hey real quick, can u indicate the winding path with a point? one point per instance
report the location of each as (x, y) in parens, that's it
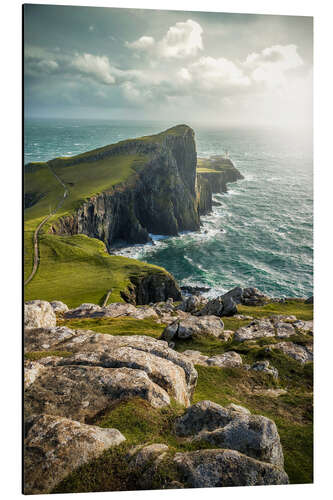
(39, 227)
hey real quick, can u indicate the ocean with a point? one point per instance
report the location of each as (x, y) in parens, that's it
(260, 235)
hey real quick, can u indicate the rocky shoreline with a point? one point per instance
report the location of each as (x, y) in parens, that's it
(73, 376)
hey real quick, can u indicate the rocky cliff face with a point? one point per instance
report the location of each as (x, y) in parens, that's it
(160, 199)
(165, 196)
(214, 181)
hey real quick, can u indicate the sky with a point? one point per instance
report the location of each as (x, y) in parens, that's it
(131, 64)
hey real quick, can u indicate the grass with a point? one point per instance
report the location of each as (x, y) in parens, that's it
(78, 269)
(83, 180)
(36, 355)
(292, 306)
(117, 326)
(214, 164)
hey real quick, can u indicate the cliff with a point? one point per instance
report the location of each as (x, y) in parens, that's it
(159, 196)
(213, 175)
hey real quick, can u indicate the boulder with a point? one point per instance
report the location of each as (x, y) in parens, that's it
(265, 367)
(194, 326)
(203, 415)
(191, 304)
(220, 306)
(253, 297)
(83, 392)
(300, 353)
(254, 435)
(230, 359)
(284, 330)
(219, 467)
(39, 314)
(59, 307)
(111, 367)
(196, 357)
(304, 327)
(258, 328)
(55, 446)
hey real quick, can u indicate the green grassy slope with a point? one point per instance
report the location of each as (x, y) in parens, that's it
(77, 269)
(83, 180)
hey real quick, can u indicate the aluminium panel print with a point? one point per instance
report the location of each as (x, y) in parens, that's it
(168, 253)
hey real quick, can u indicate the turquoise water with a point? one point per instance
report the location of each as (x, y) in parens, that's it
(260, 235)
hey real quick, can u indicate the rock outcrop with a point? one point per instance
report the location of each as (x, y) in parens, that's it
(213, 176)
(226, 304)
(275, 326)
(220, 467)
(101, 370)
(193, 326)
(303, 354)
(55, 446)
(39, 314)
(254, 435)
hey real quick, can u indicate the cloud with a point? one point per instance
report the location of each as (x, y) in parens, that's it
(209, 73)
(271, 64)
(181, 40)
(143, 43)
(97, 67)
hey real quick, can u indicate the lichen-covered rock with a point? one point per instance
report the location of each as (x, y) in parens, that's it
(196, 357)
(39, 314)
(229, 359)
(40, 339)
(82, 392)
(59, 307)
(146, 367)
(265, 367)
(258, 328)
(55, 446)
(300, 353)
(254, 435)
(114, 310)
(218, 468)
(32, 370)
(284, 330)
(193, 326)
(305, 327)
(203, 415)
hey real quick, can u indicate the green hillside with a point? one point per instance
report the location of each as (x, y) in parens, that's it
(77, 269)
